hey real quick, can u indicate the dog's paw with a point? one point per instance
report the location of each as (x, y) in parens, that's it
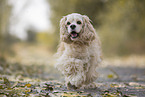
(70, 86)
(89, 86)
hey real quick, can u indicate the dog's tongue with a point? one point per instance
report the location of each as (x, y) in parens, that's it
(74, 34)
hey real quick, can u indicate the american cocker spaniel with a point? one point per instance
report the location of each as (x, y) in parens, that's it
(79, 51)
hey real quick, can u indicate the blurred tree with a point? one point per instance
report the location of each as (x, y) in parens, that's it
(31, 36)
(4, 17)
(123, 26)
(5, 37)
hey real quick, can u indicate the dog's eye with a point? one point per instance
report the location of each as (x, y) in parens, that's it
(79, 22)
(68, 23)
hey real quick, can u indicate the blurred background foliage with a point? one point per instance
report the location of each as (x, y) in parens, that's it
(119, 23)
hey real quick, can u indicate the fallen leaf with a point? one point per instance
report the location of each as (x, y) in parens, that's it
(28, 85)
(110, 76)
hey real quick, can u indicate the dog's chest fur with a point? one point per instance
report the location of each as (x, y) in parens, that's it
(77, 51)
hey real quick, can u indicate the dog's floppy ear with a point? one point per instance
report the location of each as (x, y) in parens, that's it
(88, 30)
(64, 35)
(63, 29)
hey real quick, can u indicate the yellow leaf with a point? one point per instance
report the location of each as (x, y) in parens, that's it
(28, 85)
(110, 76)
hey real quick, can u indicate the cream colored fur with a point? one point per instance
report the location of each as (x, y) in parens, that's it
(78, 58)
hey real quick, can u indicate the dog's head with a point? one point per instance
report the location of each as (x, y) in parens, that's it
(76, 28)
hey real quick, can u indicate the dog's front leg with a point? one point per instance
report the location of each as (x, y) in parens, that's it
(75, 75)
(73, 70)
(75, 81)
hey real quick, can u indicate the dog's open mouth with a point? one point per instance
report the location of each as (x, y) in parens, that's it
(74, 35)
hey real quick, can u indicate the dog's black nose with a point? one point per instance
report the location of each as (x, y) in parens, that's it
(73, 26)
